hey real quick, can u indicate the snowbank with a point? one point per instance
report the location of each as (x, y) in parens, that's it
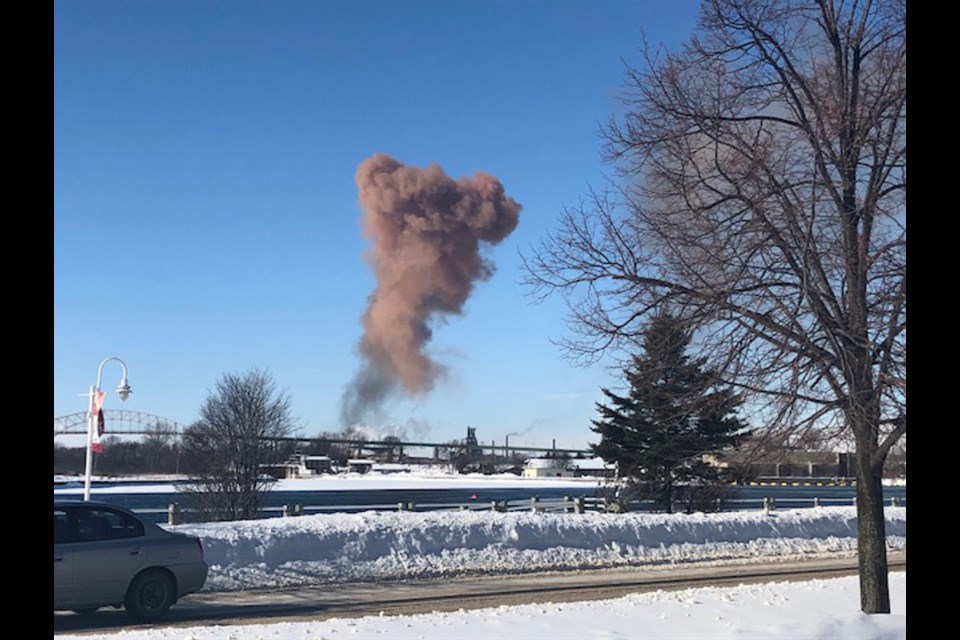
(283, 552)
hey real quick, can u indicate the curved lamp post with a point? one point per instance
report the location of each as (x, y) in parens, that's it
(124, 392)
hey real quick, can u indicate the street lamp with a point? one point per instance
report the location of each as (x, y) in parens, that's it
(124, 392)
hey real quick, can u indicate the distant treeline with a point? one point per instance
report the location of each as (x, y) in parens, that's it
(121, 457)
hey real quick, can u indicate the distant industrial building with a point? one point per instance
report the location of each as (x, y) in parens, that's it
(779, 465)
(568, 468)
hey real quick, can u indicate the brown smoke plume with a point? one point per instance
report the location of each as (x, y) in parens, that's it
(427, 231)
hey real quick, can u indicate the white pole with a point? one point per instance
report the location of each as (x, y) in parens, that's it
(123, 391)
(89, 464)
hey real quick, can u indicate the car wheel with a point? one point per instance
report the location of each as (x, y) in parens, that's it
(150, 595)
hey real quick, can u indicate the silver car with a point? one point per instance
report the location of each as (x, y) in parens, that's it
(104, 555)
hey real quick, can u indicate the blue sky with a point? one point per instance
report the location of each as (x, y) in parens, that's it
(205, 210)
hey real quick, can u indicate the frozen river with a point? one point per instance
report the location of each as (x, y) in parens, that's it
(387, 491)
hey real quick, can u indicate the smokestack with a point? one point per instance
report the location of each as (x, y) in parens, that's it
(427, 231)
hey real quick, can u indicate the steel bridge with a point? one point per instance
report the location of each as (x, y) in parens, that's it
(118, 422)
(123, 422)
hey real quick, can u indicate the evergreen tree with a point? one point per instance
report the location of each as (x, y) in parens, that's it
(674, 413)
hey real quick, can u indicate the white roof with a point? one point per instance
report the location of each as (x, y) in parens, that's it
(546, 463)
(592, 463)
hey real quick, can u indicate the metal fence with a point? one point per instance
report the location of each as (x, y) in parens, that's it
(176, 515)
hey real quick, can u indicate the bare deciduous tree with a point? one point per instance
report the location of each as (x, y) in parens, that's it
(762, 200)
(159, 448)
(225, 449)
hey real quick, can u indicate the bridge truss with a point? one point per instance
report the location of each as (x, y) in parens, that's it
(123, 422)
(117, 422)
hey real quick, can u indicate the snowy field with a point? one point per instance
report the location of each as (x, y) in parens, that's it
(383, 546)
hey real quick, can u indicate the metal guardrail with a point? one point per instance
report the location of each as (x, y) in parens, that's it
(535, 505)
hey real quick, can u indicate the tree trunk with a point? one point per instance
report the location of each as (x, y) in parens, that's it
(872, 537)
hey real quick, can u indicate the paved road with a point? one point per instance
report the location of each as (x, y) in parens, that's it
(395, 598)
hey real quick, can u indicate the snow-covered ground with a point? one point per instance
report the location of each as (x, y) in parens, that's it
(813, 610)
(384, 546)
(421, 480)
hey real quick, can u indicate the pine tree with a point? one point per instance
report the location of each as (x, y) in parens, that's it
(674, 413)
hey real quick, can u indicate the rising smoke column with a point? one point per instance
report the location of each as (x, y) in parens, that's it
(427, 231)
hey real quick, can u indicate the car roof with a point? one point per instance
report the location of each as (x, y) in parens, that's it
(61, 504)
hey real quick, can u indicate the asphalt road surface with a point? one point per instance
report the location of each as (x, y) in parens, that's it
(423, 596)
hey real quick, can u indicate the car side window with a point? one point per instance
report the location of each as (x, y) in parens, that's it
(102, 524)
(124, 526)
(61, 526)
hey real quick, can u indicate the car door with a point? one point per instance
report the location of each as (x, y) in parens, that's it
(107, 554)
(63, 592)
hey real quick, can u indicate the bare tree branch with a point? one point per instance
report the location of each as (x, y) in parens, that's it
(761, 200)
